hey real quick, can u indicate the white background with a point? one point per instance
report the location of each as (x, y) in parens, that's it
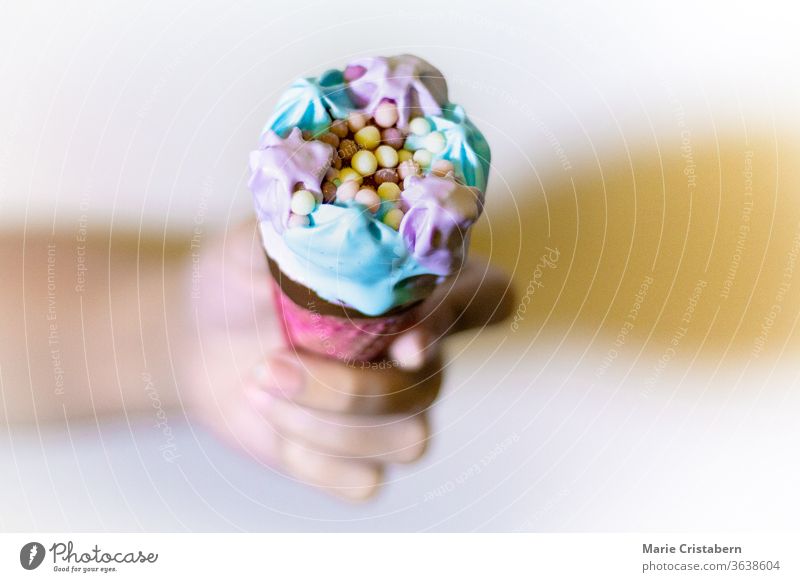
(137, 111)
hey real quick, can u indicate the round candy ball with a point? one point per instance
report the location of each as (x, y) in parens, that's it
(339, 128)
(368, 137)
(303, 202)
(404, 155)
(328, 191)
(389, 191)
(297, 220)
(386, 114)
(330, 138)
(350, 175)
(347, 191)
(364, 163)
(419, 126)
(442, 167)
(393, 218)
(393, 137)
(369, 198)
(408, 168)
(386, 156)
(356, 121)
(423, 158)
(435, 142)
(386, 175)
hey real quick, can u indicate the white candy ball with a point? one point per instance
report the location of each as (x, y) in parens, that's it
(369, 198)
(347, 191)
(423, 158)
(435, 142)
(386, 114)
(419, 126)
(303, 202)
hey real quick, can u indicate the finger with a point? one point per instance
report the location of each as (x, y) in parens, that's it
(351, 480)
(328, 385)
(384, 438)
(479, 295)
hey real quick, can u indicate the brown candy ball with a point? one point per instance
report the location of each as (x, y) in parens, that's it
(330, 138)
(339, 128)
(386, 175)
(393, 137)
(408, 168)
(347, 149)
(328, 192)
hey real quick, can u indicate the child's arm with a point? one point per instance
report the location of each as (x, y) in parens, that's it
(118, 324)
(88, 323)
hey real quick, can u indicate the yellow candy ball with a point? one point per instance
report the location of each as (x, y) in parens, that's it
(393, 218)
(386, 156)
(364, 163)
(389, 191)
(346, 174)
(368, 137)
(404, 155)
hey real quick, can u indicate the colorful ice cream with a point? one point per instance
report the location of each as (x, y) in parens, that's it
(367, 181)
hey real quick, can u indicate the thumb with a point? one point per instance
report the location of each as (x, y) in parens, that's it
(478, 295)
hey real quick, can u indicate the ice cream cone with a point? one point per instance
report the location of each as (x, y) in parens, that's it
(314, 325)
(366, 182)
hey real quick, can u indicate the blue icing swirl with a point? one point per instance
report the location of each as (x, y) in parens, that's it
(309, 104)
(347, 256)
(465, 145)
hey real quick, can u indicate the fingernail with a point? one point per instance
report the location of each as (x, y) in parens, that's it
(358, 482)
(280, 375)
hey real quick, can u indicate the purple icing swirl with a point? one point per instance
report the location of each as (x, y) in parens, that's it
(278, 166)
(416, 86)
(436, 225)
